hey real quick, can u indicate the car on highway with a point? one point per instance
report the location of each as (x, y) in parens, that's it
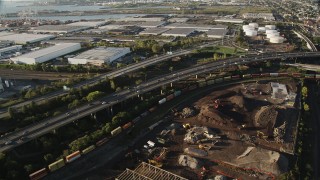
(8, 142)
(25, 132)
(68, 113)
(103, 102)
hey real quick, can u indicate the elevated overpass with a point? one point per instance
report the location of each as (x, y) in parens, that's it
(30, 132)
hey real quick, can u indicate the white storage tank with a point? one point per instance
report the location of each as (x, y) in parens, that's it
(268, 31)
(271, 27)
(254, 25)
(261, 29)
(251, 33)
(276, 39)
(273, 35)
(247, 27)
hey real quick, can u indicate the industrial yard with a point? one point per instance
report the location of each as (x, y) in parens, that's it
(239, 132)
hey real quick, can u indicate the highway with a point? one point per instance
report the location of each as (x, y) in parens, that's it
(307, 40)
(115, 73)
(30, 132)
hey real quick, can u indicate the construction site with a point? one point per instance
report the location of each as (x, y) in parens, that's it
(246, 131)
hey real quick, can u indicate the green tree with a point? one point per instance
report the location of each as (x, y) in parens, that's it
(139, 81)
(11, 112)
(94, 95)
(156, 48)
(107, 128)
(112, 84)
(306, 107)
(215, 56)
(304, 91)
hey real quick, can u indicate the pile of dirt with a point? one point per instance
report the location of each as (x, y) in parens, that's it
(238, 101)
(266, 160)
(188, 112)
(265, 117)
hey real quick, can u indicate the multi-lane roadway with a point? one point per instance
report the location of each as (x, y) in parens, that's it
(114, 73)
(30, 132)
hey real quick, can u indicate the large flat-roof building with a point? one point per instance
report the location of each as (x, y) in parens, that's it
(58, 29)
(225, 20)
(154, 31)
(141, 19)
(151, 24)
(25, 38)
(265, 16)
(216, 33)
(99, 56)
(179, 32)
(88, 23)
(10, 49)
(197, 27)
(47, 54)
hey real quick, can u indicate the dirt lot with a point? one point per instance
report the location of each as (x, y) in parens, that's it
(242, 119)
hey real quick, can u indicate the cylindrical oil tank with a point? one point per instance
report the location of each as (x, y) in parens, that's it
(251, 33)
(270, 31)
(271, 27)
(276, 39)
(261, 29)
(273, 35)
(254, 25)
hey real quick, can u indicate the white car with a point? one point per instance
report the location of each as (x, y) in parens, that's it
(103, 102)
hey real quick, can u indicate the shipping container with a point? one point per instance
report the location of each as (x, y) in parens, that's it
(154, 125)
(177, 93)
(116, 131)
(227, 78)
(192, 87)
(144, 114)
(73, 156)
(218, 80)
(255, 75)
(126, 126)
(38, 174)
(153, 109)
(170, 97)
(265, 75)
(162, 101)
(88, 149)
(56, 165)
(202, 84)
(102, 141)
(274, 74)
(309, 76)
(283, 74)
(235, 77)
(296, 74)
(135, 120)
(245, 76)
(210, 82)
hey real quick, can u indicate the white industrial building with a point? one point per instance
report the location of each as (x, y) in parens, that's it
(88, 23)
(236, 21)
(178, 20)
(179, 32)
(217, 33)
(47, 54)
(25, 38)
(10, 49)
(197, 27)
(58, 29)
(99, 56)
(141, 19)
(154, 31)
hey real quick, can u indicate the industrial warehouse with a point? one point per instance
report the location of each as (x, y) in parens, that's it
(99, 56)
(24, 38)
(47, 54)
(58, 29)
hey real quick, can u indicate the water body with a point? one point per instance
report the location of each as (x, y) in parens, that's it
(14, 7)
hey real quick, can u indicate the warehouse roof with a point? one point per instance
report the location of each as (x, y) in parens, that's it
(154, 31)
(100, 53)
(58, 28)
(151, 23)
(45, 51)
(178, 20)
(217, 32)
(229, 20)
(88, 23)
(178, 31)
(196, 26)
(25, 38)
(5, 33)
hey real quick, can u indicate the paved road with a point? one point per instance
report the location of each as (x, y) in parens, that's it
(114, 73)
(12, 140)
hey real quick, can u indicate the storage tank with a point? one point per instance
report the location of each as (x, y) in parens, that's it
(247, 27)
(261, 29)
(271, 27)
(276, 39)
(251, 33)
(273, 35)
(254, 25)
(269, 31)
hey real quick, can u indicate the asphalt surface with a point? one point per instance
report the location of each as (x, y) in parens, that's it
(13, 139)
(115, 73)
